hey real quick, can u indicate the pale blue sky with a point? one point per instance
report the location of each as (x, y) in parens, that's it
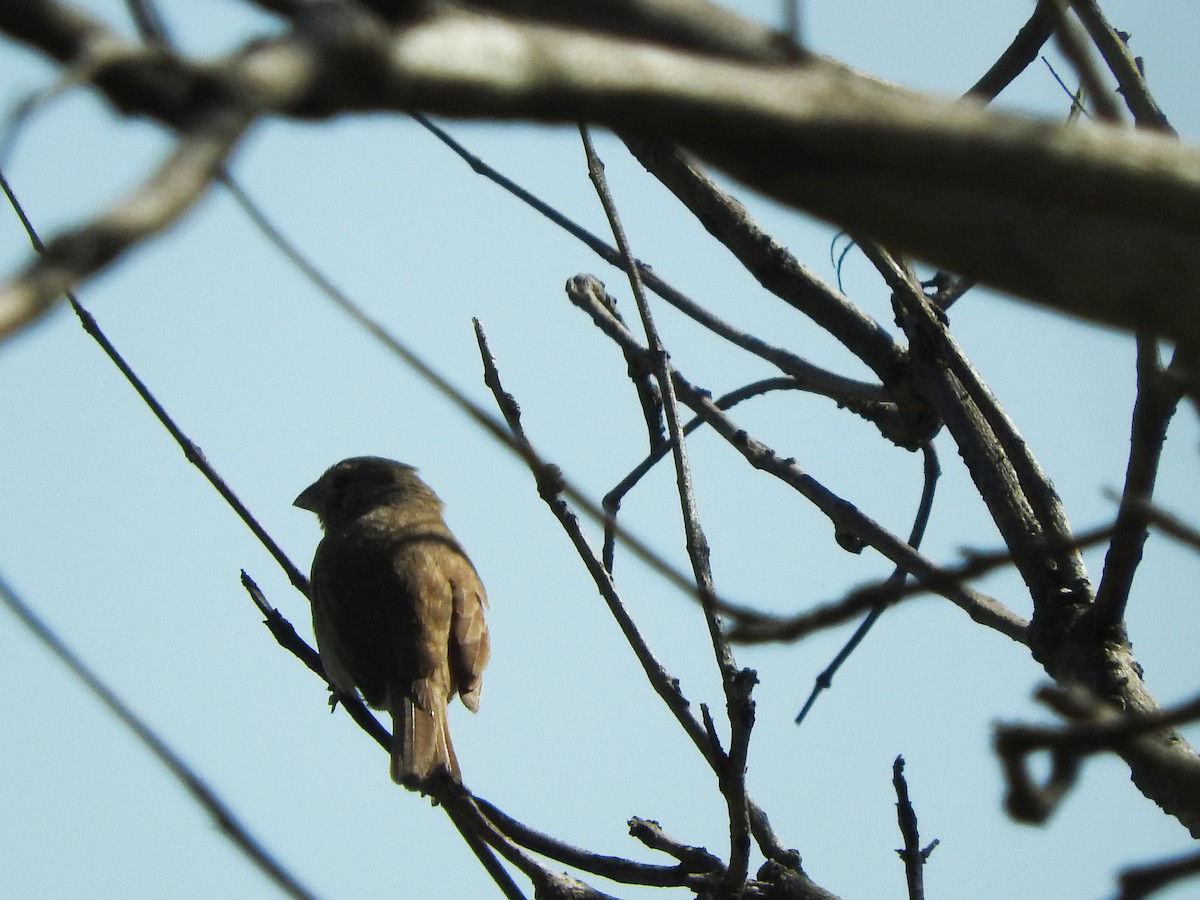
(125, 550)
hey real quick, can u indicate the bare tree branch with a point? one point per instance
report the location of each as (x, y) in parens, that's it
(667, 687)
(920, 522)
(204, 796)
(1071, 43)
(1017, 57)
(1158, 397)
(1132, 83)
(870, 401)
(736, 683)
(1097, 221)
(174, 189)
(696, 871)
(913, 856)
(1143, 881)
(584, 291)
(769, 262)
(1143, 739)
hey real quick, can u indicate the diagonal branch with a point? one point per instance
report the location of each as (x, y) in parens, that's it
(1125, 68)
(694, 873)
(932, 472)
(178, 184)
(1017, 57)
(197, 788)
(1021, 498)
(770, 263)
(1158, 396)
(737, 683)
(584, 291)
(862, 398)
(667, 687)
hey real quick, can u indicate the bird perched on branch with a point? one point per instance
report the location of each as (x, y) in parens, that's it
(398, 609)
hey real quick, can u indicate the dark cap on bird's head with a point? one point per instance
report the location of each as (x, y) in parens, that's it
(354, 485)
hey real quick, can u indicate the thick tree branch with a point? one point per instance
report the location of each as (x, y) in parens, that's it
(1145, 737)
(1098, 221)
(1024, 504)
(178, 184)
(769, 262)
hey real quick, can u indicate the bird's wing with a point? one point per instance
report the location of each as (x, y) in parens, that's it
(470, 646)
(350, 592)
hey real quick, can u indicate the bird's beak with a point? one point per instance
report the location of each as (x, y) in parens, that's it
(310, 498)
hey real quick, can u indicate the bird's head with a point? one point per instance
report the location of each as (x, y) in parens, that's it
(359, 484)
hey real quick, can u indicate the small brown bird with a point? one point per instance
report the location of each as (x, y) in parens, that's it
(398, 609)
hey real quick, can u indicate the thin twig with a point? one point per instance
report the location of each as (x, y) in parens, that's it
(920, 521)
(754, 626)
(647, 390)
(913, 856)
(1076, 97)
(666, 686)
(613, 499)
(287, 638)
(1017, 57)
(191, 451)
(737, 684)
(1071, 43)
(282, 630)
(199, 790)
(690, 873)
(1131, 80)
(702, 733)
(863, 398)
(845, 517)
(1158, 397)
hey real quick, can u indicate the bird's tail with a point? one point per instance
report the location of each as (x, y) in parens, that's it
(421, 746)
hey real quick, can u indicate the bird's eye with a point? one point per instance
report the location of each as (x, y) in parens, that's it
(340, 480)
